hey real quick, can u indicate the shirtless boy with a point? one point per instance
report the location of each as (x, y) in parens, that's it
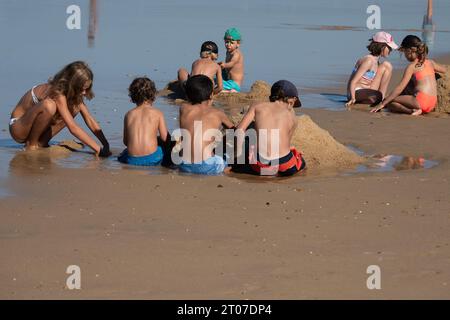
(233, 67)
(141, 126)
(196, 118)
(273, 154)
(206, 65)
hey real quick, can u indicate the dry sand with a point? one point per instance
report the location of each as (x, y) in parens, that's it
(443, 105)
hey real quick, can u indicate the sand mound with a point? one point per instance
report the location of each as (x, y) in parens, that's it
(443, 89)
(319, 148)
(259, 91)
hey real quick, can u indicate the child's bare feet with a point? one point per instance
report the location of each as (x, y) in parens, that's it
(418, 112)
(31, 147)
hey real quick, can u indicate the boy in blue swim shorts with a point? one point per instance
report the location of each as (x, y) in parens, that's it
(201, 124)
(233, 67)
(142, 125)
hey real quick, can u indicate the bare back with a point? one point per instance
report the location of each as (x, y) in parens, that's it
(197, 119)
(26, 102)
(206, 67)
(141, 127)
(270, 117)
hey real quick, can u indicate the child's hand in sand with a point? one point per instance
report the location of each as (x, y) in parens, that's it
(350, 102)
(378, 107)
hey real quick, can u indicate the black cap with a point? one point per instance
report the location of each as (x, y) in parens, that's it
(209, 46)
(287, 89)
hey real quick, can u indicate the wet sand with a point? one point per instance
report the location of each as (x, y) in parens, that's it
(184, 237)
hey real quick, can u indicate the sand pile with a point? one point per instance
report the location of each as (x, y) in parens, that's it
(319, 148)
(443, 89)
(259, 91)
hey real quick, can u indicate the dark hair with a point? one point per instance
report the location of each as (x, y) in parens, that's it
(198, 88)
(209, 46)
(70, 82)
(415, 44)
(375, 48)
(141, 90)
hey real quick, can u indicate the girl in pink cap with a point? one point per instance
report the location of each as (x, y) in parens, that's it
(369, 80)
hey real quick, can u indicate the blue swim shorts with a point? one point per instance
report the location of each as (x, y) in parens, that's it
(212, 166)
(152, 159)
(230, 85)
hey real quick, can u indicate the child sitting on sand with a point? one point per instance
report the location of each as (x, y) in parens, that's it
(205, 65)
(49, 107)
(275, 123)
(369, 80)
(233, 67)
(141, 126)
(422, 73)
(198, 117)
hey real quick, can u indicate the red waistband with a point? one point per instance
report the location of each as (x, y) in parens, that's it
(295, 160)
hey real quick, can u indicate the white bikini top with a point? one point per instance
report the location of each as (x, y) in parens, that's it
(33, 96)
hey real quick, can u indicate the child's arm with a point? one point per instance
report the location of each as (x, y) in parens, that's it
(230, 64)
(96, 129)
(438, 67)
(226, 122)
(409, 71)
(363, 67)
(61, 105)
(243, 125)
(163, 132)
(125, 131)
(219, 78)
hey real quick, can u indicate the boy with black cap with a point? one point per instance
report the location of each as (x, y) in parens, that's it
(275, 123)
(206, 65)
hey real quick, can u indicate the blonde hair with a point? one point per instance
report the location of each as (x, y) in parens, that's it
(70, 82)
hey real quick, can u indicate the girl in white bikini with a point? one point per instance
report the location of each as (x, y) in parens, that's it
(47, 108)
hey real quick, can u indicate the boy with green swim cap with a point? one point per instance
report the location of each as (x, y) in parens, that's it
(233, 67)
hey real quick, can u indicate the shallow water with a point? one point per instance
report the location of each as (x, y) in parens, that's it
(314, 44)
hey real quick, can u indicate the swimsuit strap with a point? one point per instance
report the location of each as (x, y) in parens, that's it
(427, 70)
(33, 96)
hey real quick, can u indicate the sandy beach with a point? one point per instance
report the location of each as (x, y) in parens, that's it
(183, 237)
(158, 234)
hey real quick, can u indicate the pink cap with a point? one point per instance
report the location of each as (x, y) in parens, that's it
(384, 37)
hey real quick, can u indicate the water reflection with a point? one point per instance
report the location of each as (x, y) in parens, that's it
(428, 27)
(389, 163)
(92, 22)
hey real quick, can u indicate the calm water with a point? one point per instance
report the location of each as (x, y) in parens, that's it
(281, 39)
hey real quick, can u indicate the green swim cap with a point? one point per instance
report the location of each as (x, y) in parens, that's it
(232, 33)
